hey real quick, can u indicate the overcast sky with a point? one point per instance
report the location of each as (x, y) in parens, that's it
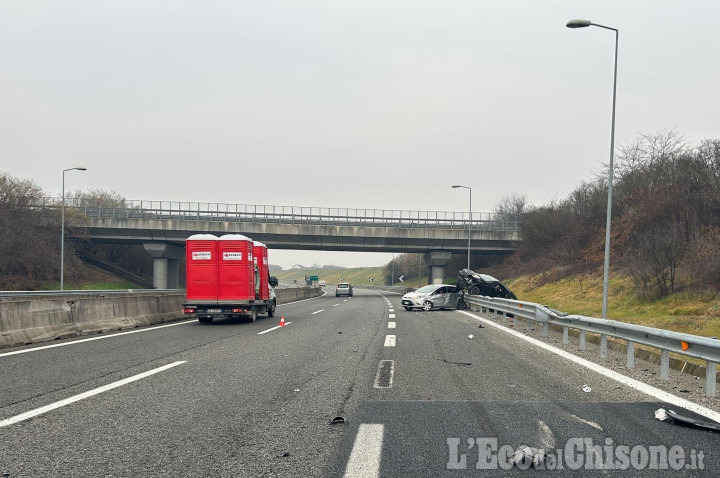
(370, 104)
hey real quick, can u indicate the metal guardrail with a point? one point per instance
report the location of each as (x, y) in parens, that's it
(294, 215)
(61, 293)
(703, 348)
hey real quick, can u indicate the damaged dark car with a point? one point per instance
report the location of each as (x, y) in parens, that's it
(483, 284)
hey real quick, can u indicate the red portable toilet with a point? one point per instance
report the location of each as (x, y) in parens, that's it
(201, 252)
(236, 272)
(260, 253)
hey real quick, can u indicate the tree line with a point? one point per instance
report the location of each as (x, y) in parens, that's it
(665, 221)
(30, 225)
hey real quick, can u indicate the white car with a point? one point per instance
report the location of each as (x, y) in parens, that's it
(322, 283)
(434, 296)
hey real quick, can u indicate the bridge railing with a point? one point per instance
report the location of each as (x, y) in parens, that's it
(703, 348)
(295, 215)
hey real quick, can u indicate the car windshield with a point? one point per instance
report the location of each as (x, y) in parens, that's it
(342, 286)
(488, 278)
(426, 289)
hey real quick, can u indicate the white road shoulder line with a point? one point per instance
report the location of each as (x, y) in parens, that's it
(108, 336)
(391, 325)
(389, 341)
(84, 395)
(335, 305)
(624, 379)
(273, 328)
(317, 311)
(364, 461)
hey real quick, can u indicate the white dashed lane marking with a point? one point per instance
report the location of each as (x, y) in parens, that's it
(389, 341)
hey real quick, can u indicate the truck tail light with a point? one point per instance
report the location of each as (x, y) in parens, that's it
(237, 311)
(189, 311)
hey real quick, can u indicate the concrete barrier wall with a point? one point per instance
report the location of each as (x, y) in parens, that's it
(30, 319)
(34, 319)
(299, 293)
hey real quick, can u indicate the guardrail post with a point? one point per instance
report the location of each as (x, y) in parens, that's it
(545, 331)
(528, 325)
(665, 365)
(630, 354)
(711, 379)
(566, 338)
(603, 346)
(582, 340)
(515, 322)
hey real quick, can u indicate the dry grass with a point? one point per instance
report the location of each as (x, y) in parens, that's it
(697, 314)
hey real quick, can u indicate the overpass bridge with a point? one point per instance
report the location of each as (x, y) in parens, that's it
(162, 227)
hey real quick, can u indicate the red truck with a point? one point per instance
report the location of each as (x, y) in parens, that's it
(227, 276)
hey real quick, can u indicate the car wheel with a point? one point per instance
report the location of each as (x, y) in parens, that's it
(407, 308)
(474, 290)
(427, 305)
(271, 310)
(461, 305)
(337, 295)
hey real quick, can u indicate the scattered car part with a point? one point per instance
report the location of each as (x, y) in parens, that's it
(668, 415)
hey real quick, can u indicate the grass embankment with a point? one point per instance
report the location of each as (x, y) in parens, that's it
(691, 313)
(355, 275)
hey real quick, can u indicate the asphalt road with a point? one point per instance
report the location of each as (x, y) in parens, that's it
(236, 398)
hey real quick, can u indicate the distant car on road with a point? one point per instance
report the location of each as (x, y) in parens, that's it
(321, 283)
(343, 288)
(434, 296)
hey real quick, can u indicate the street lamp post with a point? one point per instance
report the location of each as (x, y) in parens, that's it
(62, 227)
(470, 219)
(606, 268)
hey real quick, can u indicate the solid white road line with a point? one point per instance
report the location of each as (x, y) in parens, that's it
(624, 379)
(364, 461)
(273, 328)
(389, 341)
(391, 316)
(298, 301)
(391, 325)
(317, 311)
(84, 395)
(335, 305)
(109, 336)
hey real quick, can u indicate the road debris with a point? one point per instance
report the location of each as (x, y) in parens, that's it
(337, 421)
(668, 415)
(470, 336)
(526, 456)
(586, 388)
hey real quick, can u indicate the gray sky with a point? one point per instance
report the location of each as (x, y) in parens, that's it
(371, 104)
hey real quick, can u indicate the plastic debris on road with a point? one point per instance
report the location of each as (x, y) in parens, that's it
(470, 336)
(670, 416)
(586, 388)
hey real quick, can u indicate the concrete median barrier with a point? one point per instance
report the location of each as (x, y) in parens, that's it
(29, 318)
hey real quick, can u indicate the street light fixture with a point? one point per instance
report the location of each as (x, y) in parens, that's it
(62, 227)
(606, 268)
(455, 186)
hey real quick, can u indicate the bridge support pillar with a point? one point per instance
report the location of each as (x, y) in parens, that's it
(436, 261)
(165, 263)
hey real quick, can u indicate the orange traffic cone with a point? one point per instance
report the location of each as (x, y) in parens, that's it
(282, 321)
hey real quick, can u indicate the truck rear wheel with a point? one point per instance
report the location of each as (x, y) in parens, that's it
(253, 314)
(271, 309)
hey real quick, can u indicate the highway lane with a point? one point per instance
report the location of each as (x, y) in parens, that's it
(449, 387)
(240, 403)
